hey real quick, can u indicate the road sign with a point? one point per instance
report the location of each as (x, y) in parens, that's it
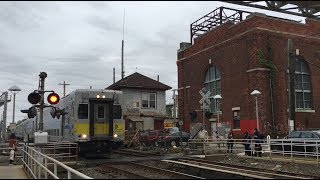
(205, 97)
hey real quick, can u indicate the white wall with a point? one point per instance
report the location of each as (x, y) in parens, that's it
(134, 95)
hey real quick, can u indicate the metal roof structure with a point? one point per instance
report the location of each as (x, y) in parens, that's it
(310, 9)
(221, 15)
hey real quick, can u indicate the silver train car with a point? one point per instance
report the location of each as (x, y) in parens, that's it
(93, 120)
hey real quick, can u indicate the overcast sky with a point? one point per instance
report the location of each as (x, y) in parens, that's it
(80, 43)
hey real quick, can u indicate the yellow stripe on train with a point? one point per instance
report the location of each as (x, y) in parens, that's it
(99, 128)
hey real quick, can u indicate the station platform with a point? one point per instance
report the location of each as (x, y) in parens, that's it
(12, 172)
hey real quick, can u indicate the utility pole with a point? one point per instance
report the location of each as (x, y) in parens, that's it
(174, 97)
(114, 75)
(174, 104)
(64, 87)
(4, 121)
(122, 48)
(291, 79)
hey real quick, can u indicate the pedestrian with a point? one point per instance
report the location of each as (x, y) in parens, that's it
(12, 148)
(246, 143)
(257, 139)
(230, 142)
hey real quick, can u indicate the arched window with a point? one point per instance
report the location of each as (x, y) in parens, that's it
(212, 82)
(302, 85)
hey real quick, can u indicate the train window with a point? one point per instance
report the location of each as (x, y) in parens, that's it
(83, 111)
(117, 112)
(100, 111)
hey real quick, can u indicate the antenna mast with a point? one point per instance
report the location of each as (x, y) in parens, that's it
(122, 47)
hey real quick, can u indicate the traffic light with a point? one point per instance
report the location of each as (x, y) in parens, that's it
(208, 114)
(32, 112)
(55, 112)
(193, 115)
(34, 98)
(53, 98)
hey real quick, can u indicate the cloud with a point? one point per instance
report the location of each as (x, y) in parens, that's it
(80, 42)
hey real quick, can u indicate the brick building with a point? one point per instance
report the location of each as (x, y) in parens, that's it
(227, 60)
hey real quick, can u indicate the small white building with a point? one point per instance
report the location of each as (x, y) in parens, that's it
(144, 102)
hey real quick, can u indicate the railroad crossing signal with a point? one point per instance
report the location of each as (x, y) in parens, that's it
(205, 97)
(32, 112)
(53, 98)
(56, 112)
(204, 106)
(34, 98)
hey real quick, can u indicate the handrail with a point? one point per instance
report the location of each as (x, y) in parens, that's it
(293, 147)
(34, 152)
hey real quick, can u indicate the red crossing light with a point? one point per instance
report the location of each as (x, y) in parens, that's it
(53, 98)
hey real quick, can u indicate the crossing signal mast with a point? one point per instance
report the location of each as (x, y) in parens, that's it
(36, 98)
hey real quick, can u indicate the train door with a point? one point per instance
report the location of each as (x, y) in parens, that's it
(100, 119)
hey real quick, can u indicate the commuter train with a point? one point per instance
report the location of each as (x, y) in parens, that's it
(93, 120)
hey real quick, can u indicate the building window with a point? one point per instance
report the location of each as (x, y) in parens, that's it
(149, 100)
(302, 85)
(212, 83)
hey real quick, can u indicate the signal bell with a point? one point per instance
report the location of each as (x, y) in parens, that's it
(53, 98)
(34, 98)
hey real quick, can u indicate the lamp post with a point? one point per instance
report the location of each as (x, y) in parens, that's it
(217, 97)
(256, 93)
(14, 89)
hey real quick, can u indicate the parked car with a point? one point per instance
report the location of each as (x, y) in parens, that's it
(174, 139)
(151, 137)
(304, 138)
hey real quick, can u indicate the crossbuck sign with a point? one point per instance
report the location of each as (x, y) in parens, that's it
(204, 99)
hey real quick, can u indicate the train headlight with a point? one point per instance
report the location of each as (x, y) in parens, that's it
(84, 136)
(98, 96)
(115, 135)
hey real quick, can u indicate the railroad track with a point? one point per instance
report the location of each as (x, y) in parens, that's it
(140, 171)
(136, 153)
(237, 170)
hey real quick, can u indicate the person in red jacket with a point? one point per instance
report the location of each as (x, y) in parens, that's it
(12, 148)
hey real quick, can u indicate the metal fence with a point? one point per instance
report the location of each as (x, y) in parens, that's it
(66, 151)
(39, 165)
(293, 149)
(4, 149)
